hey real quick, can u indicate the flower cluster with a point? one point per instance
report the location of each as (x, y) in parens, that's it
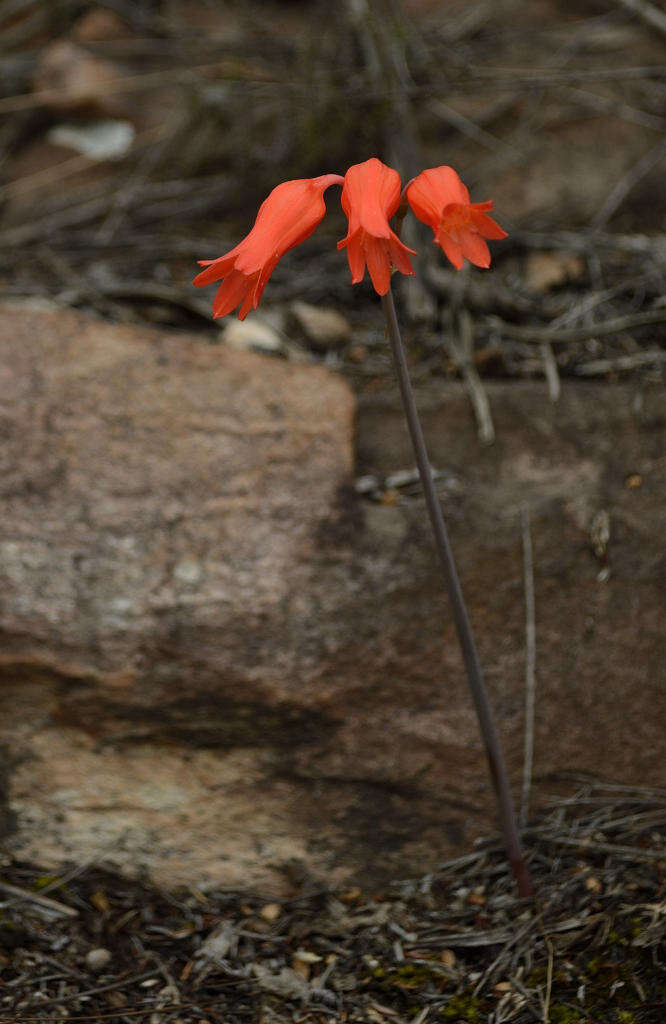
(371, 195)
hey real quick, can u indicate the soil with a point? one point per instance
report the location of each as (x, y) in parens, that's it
(455, 945)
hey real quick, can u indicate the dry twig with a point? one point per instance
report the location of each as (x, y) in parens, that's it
(647, 12)
(530, 665)
(460, 345)
(575, 334)
(45, 903)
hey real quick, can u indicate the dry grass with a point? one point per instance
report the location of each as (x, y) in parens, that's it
(555, 110)
(456, 945)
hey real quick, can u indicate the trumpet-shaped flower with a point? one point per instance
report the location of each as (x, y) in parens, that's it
(286, 218)
(439, 198)
(370, 195)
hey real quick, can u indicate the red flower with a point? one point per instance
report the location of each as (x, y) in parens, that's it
(371, 194)
(286, 218)
(439, 198)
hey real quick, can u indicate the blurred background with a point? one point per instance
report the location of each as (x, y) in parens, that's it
(138, 137)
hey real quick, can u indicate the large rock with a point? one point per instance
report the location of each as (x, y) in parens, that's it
(161, 501)
(219, 661)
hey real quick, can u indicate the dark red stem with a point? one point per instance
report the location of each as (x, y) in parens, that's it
(472, 665)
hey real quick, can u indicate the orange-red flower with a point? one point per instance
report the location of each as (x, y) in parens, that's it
(370, 195)
(439, 198)
(286, 218)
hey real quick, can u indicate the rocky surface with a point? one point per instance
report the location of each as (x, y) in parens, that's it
(220, 662)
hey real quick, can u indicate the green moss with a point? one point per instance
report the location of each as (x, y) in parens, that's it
(413, 977)
(562, 1014)
(406, 975)
(537, 976)
(463, 1007)
(611, 967)
(44, 881)
(594, 966)
(618, 962)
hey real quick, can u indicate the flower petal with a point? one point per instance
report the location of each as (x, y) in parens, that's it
(288, 215)
(355, 254)
(474, 248)
(452, 250)
(371, 194)
(400, 254)
(379, 264)
(231, 292)
(440, 199)
(434, 189)
(215, 269)
(486, 226)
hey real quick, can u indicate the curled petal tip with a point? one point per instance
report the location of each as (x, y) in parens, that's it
(440, 199)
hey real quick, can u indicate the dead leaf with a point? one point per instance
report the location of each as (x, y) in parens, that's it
(546, 270)
(100, 902)
(270, 912)
(288, 983)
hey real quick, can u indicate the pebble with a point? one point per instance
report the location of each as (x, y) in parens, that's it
(253, 334)
(270, 912)
(99, 26)
(98, 959)
(97, 140)
(324, 328)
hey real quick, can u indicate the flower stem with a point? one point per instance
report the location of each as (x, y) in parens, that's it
(479, 696)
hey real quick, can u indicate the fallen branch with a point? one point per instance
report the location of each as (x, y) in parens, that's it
(551, 372)
(575, 334)
(651, 15)
(599, 367)
(653, 246)
(627, 183)
(53, 907)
